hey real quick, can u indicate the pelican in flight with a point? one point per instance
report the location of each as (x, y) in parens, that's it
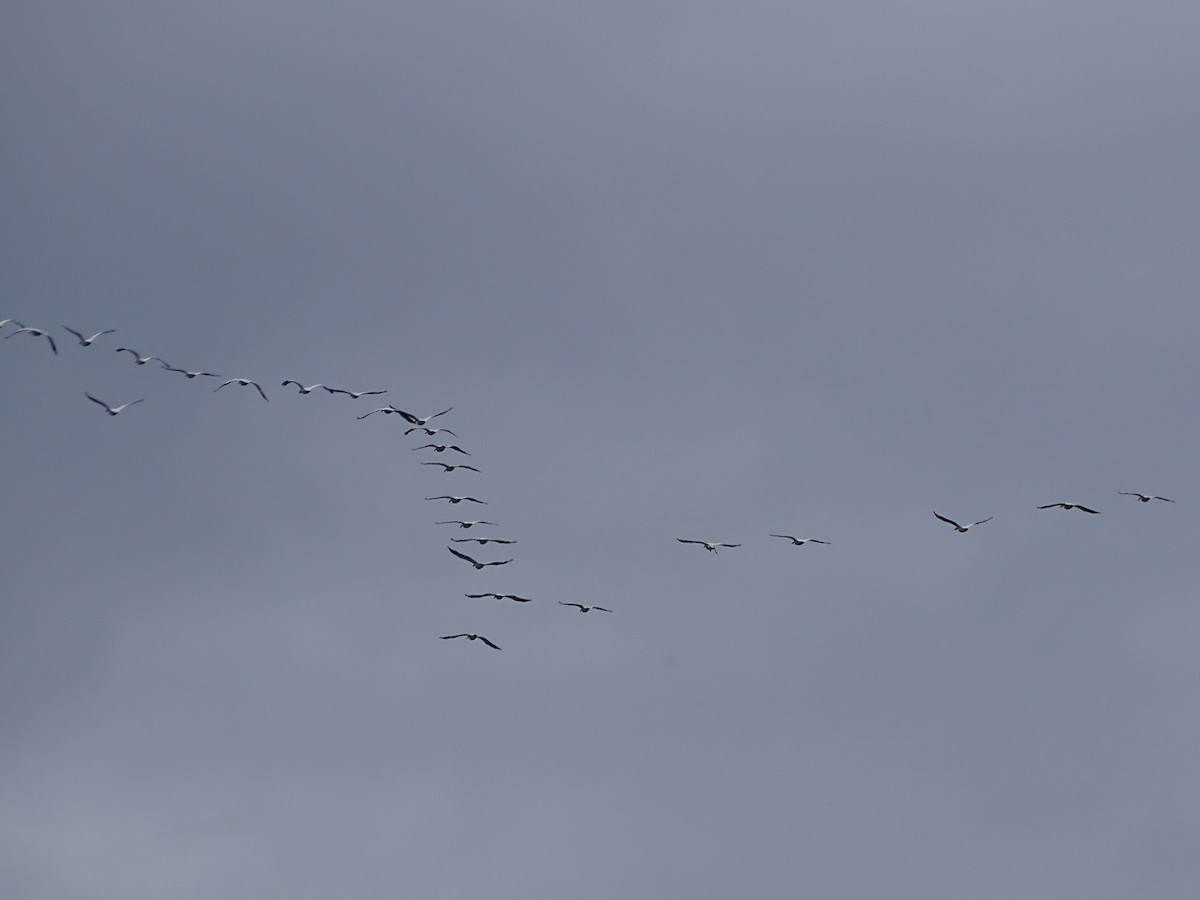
(446, 467)
(35, 332)
(962, 529)
(479, 541)
(799, 541)
(476, 563)
(513, 597)
(429, 432)
(303, 389)
(87, 341)
(583, 608)
(138, 358)
(1145, 498)
(112, 410)
(244, 382)
(1078, 506)
(456, 499)
(466, 524)
(386, 410)
(354, 395)
(711, 546)
(470, 637)
(442, 448)
(421, 421)
(190, 375)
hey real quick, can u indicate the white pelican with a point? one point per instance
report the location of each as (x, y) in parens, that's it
(500, 597)
(476, 563)
(244, 382)
(112, 410)
(711, 546)
(466, 524)
(799, 541)
(190, 375)
(480, 541)
(35, 332)
(138, 358)
(354, 395)
(429, 432)
(446, 467)
(1078, 506)
(386, 410)
(303, 389)
(962, 529)
(1145, 498)
(87, 341)
(457, 499)
(470, 637)
(583, 608)
(421, 421)
(441, 448)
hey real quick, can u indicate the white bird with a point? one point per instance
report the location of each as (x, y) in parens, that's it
(138, 358)
(476, 563)
(447, 467)
(1078, 506)
(303, 389)
(386, 410)
(799, 541)
(441, 448)
(500, 597)
(1145, 498)
(189, 375)
(480, 541)
(353, 394)
(456, 499)
(466, 524)
(421, 421)
(711, 546)
(35, 332)
(583, 608)
(470, 637)
(87, 341)
(430, 432)
(112, 410)
(244, 382)
(962, 529)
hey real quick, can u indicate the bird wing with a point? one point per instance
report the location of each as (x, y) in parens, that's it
(503, 562)
(788, 536)
(442, 413)
(260, 390)
(602, 609)
(516, 598)
(77, 334)
(948, 521)
(94, 400)
(686, 541)
(1168, 499)
(561, 603)
(337, 391)
(473, 500)
(489, 643)
(981, 521)
(1088, 509)
(729, 545)
(1052, 505)
(463, 556)
(447, 637)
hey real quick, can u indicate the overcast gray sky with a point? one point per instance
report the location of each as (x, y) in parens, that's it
(699, 270)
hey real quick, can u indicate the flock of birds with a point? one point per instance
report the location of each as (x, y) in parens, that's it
(422, 425)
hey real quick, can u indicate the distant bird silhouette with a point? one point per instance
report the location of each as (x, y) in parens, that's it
(386, 410)
(353, 394)
(1145, 498)
(429, 432)
(513, 597)
(244, 382)
(583, 608)
(190, 375)
(446, 467)
(711, 546)
(798, 541)
(87, 341)
(421, 421)
(466, 524)
(33, 332)
(470, 637)
(441, 448)
(1078, 506)
(303, 389)
(112, 410)
(476, 563)
(962, 529)
(457, 499)
(138, 358)
(480, 541)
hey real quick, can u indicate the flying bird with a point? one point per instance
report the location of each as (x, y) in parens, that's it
(962, 529)
(354, 395)
(466, 524)
(189, 375)
(112, 410)
(711, 546)
(476, 563)
(456, 499)
(470, 637)
(87, 341)
(386, 410)
(799, 541)
(441, 448)
(244, 382)
(480, 541)
(429, 432)
(1145, 498)
(1078, 506)
(500, 597)
(446, 467)
(303, 389)
(421, 421)
(138, 358)
(583, 608)
(34, 332)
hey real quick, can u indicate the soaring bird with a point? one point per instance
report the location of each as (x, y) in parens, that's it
(456, 499)
(1078, 506)
(441, 448)
(244, 382)
(711, 546)
(476, 563)
(480, 541)
(421, 421)
(112, 410)
(190, 374)
(583, 608)
(138, 358)
(446, 467)
(87, 341)
(386, 410)
(34, 332)
(500, 597)
(1145, 498)
(470, 637)
(799, 541)
(466, 524)
(303, 389)
(429, 432)
(354, 395)
(962, 529)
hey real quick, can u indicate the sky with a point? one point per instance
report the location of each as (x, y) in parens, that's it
(680, 270)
